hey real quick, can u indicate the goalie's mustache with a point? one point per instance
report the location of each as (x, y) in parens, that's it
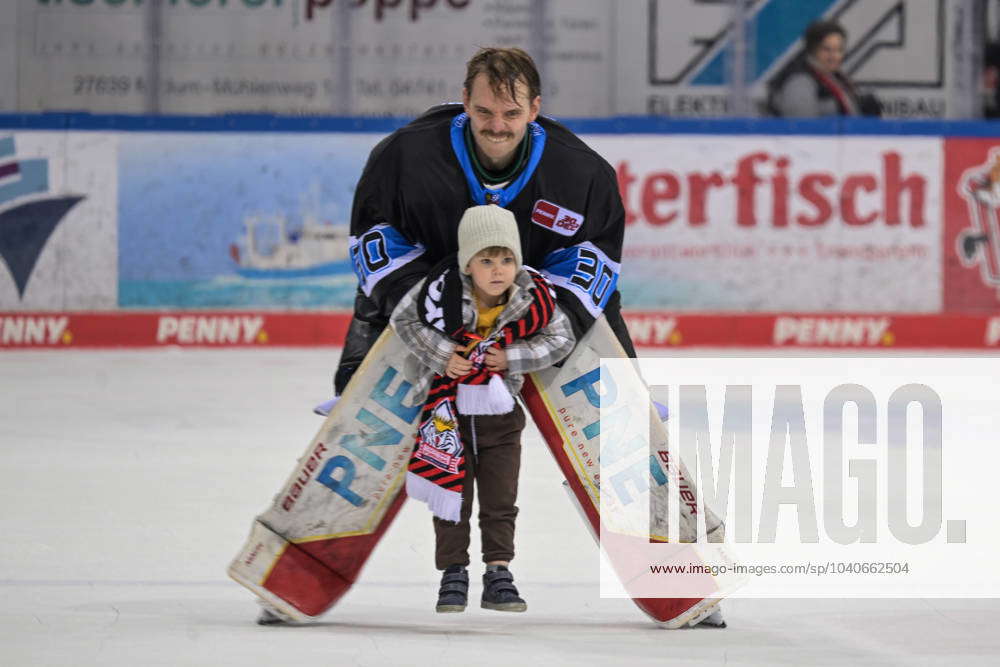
(501, 135)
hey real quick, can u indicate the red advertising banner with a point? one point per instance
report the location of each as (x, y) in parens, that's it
(649, 329)
(203, 329)
(972, 225)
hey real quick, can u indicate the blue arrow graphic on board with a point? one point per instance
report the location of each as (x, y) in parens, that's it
(774, 29)
(26, 228)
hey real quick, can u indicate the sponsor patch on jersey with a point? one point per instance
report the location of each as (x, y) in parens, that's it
(556, 218)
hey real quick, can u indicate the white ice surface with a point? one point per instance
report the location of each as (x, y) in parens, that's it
(128, 480)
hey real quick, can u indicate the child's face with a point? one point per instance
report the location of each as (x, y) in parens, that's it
(492, 275)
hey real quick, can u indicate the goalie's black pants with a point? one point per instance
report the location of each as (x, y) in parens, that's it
(493, 462)
(367, 325)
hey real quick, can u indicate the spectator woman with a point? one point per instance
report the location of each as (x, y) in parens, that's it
(816, 86)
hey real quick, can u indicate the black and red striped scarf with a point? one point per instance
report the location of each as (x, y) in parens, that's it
(840, 88)
(436, 472)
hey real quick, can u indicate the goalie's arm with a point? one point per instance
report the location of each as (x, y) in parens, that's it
(388, 256)
(585, 274)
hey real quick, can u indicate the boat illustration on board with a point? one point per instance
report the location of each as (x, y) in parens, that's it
(270, 249)
(29, 212)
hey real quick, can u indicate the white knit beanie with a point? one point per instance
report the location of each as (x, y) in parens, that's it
(482, 227)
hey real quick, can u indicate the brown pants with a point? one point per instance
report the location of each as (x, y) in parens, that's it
(493, 461)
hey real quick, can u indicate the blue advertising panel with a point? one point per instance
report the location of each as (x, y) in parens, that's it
(237, 220)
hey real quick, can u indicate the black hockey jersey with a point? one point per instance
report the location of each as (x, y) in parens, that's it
(419, 180)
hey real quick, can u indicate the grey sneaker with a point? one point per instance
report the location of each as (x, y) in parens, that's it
(499, 591)
(453, 595)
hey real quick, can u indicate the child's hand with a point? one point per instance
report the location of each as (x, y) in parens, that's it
(496, 359)
(457, 365)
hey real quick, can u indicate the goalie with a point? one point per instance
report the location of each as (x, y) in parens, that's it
(494, 148)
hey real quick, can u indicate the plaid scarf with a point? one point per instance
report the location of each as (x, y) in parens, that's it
(437, 466)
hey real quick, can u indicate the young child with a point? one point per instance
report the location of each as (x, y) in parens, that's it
(475, 327)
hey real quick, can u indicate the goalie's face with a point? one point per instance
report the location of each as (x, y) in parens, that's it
(492, 275)
(498, 122)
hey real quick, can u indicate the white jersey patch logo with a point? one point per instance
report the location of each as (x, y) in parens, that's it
(556, 218)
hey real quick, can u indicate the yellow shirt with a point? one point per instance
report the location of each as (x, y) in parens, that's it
(487, 318)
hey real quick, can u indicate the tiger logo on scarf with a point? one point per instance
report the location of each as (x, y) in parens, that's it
(439, 441)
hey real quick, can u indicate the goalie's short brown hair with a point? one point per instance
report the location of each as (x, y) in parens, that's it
(503, 69)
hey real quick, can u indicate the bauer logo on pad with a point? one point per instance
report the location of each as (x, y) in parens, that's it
(556, 218)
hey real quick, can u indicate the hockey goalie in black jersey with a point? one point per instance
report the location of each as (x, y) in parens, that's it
(494, 148)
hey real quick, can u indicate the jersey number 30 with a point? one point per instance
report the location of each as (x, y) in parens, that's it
(592, 276)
